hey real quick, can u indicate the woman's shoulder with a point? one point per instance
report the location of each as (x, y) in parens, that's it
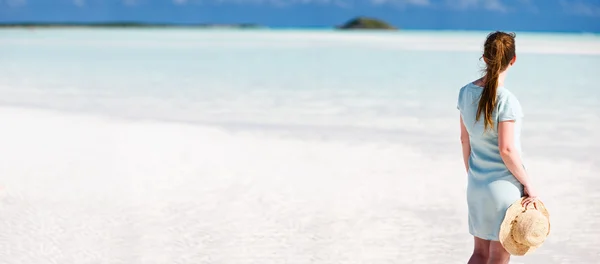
(468, 86)
(462, 90)
(505, 94)
(508, 105)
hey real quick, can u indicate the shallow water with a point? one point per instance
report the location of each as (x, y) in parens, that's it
(182, 146)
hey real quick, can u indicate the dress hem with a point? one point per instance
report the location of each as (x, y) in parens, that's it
(488, 237)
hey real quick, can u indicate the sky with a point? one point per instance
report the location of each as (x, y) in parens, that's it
(516, 15)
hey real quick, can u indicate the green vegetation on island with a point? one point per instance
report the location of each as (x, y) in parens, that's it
(356, 23)
(367, 23)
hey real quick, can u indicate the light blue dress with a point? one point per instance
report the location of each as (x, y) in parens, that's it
(491, 188)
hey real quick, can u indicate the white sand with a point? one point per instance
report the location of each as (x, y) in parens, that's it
(81, 189)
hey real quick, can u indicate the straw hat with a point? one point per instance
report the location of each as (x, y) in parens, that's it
(524, 229)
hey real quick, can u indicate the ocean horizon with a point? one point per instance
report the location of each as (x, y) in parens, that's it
(276, 146)
(98, 25)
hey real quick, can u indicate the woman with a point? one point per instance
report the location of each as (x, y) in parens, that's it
(490, 121)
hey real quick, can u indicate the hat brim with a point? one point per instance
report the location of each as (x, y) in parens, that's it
(506, 238)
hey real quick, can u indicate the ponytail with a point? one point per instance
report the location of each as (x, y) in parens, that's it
(498, 54)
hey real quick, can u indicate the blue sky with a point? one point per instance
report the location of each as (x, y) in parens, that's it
(518, 15)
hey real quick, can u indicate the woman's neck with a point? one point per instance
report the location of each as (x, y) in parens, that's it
(501, 79)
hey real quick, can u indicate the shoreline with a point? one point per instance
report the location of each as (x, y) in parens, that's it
(250, 26)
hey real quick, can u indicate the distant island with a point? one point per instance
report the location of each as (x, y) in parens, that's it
(124, 25)
(356, 23)
(366, 23)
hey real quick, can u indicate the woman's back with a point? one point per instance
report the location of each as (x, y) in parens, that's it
(490, 130)
(485, 161)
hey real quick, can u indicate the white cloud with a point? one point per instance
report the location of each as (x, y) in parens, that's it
(131, 2)
(15, 3)
(343, 3)
(462, 4)
(529, 6)
(82, 3)
(580, 8)
(494, 5)
(402, 2)
(339, 3)
(271, 2)
(79, 2)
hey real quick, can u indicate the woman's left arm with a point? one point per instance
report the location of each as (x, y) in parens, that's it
(466, 144)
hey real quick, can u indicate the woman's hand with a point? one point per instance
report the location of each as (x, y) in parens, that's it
(531, 197)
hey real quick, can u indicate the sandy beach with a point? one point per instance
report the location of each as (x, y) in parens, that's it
(90, 189)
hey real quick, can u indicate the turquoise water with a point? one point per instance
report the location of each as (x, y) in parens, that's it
(276, 146)
(386, 83)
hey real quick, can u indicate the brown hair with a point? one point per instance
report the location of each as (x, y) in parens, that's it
(498, 51)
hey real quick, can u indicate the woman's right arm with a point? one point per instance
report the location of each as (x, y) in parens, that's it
(511, 157)
(465, 143)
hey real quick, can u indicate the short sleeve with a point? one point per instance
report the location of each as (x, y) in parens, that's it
(459, 99)
(509, 108)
